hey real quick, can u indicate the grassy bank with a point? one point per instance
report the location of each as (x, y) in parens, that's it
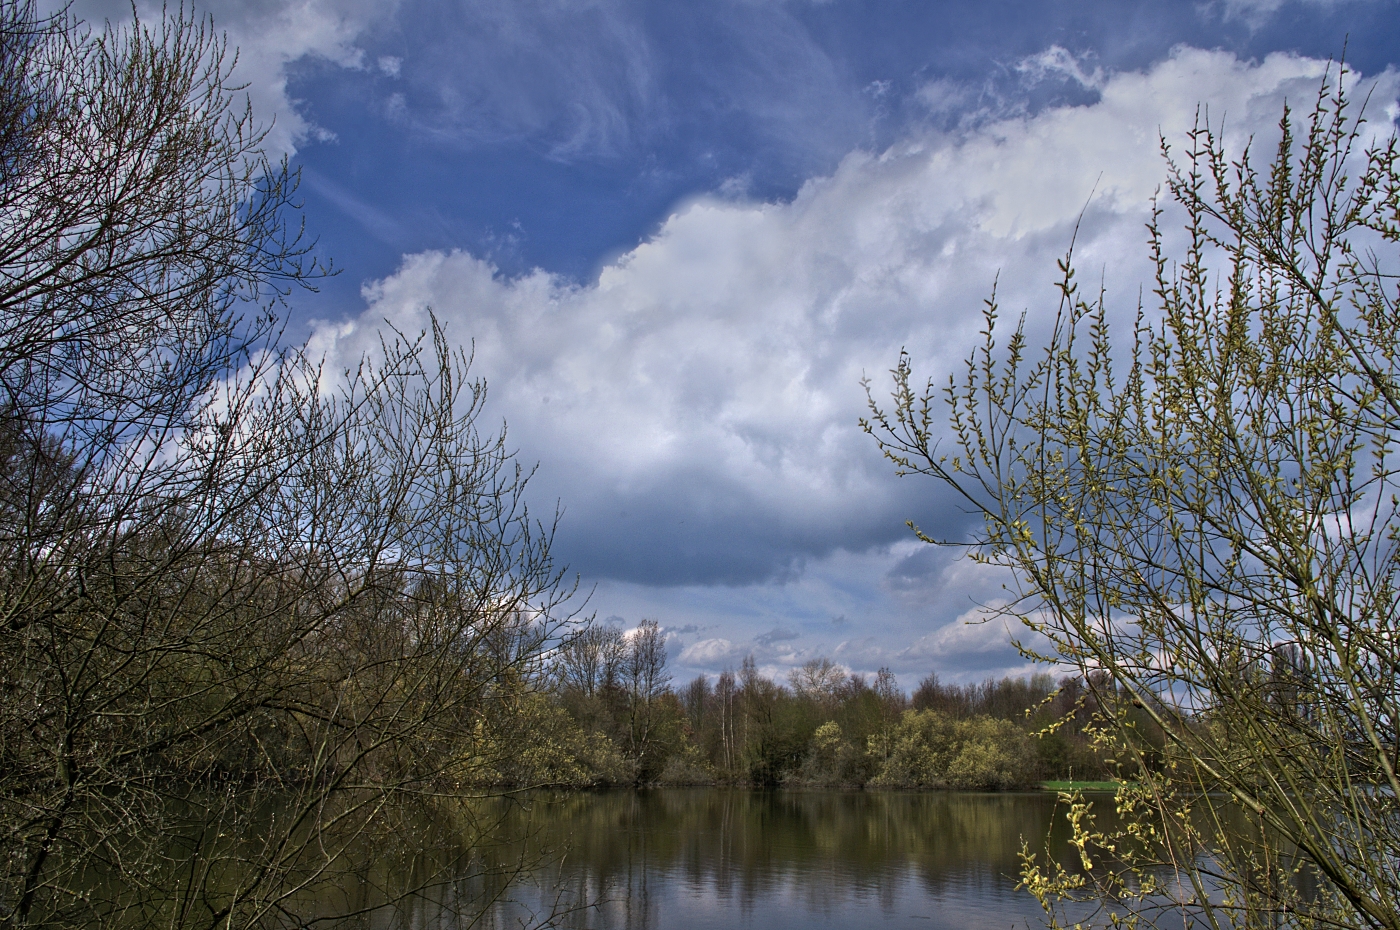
(1079, 785)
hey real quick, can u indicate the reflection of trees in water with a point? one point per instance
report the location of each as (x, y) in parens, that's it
(819, 850)
(622, 860)
(426, 865)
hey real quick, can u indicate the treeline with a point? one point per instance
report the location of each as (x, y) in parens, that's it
(614, 717)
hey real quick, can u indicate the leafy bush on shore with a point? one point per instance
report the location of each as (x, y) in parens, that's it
(933, 750)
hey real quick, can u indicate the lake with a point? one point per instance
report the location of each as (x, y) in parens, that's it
(769, 860)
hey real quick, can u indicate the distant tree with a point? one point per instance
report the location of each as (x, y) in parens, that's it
(1007, 698)
(698, 700)
(819, 680)
(932, 694)
(1206, 526)
(726, 698)
(893, 703)
(929, 749)
(646, 681)
(590, 659)
(887, 690)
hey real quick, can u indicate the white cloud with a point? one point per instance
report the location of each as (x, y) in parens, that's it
(272, 34)
(713, 653)
(732, 341)
(977, 631)
(695, 408)
(1255, 13)
(268, 35)
(1057, 60)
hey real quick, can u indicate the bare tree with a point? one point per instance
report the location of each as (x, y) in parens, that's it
(138, 220)
(726, 693)
(251, 627)
(646, 680)
(590, 659)
(819, 680)
(888, 691)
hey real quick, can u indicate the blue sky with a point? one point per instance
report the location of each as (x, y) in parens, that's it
(558, 135)
(679, 233)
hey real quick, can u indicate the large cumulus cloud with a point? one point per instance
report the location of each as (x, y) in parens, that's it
(695, 408)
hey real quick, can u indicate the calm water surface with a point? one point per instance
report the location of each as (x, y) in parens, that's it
(710, 858)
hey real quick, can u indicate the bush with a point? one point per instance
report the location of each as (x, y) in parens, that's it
(929, 749)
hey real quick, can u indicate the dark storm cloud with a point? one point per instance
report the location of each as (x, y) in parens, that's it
(698, 527)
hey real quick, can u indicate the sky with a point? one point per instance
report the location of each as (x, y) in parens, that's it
(678, 235)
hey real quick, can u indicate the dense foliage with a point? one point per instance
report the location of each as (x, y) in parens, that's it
(615, 721)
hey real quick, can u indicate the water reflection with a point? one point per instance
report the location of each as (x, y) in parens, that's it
(713, 858)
